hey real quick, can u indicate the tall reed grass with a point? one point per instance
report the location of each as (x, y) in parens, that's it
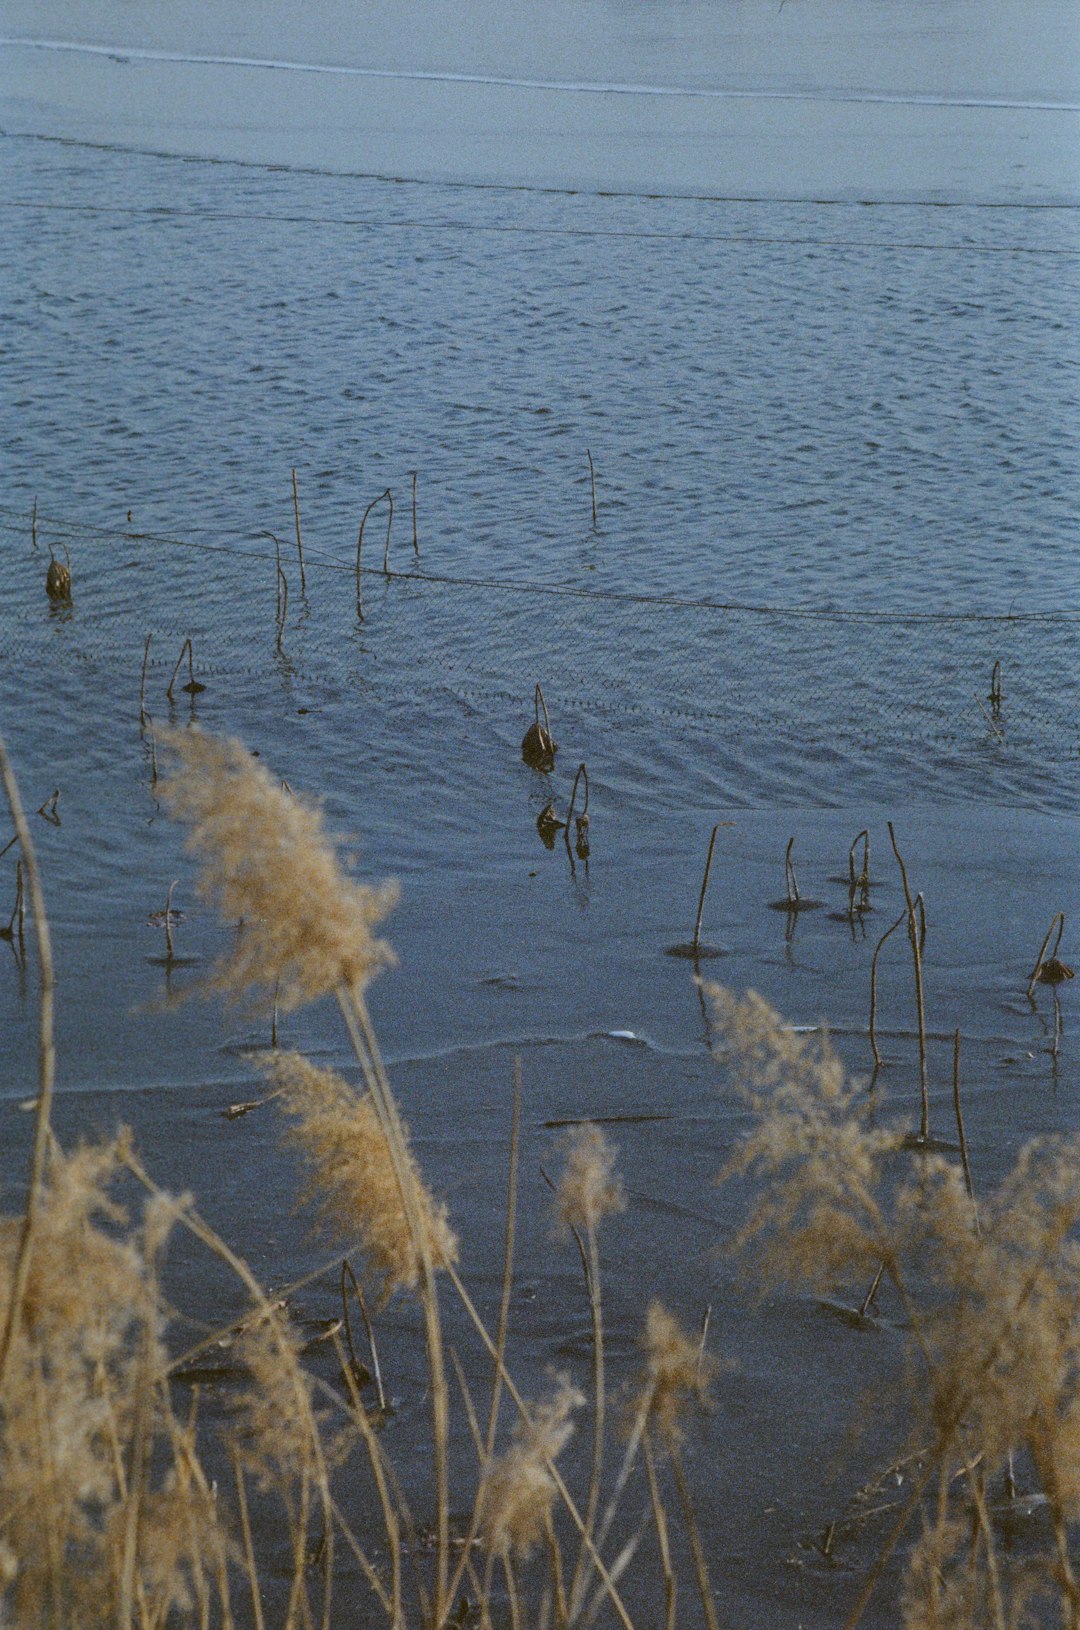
(119, 1507)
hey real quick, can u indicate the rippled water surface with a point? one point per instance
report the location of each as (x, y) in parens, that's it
(836, 482)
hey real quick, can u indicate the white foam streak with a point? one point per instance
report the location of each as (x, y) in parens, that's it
(562, 86)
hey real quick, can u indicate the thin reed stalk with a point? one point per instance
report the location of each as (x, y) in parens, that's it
(549, 1464)
(917, 936)
(590, 1256)
(508, 1261)
(245, 1535)
(697, 1550)
(791, 882)
(966, 1163)
(376, 1368)
(46, 1061)
(661, 1525)
(415, 542)
(299, 539)
(704, 888)
(592, 485)
(365, 1045)
(143, 715)
(878, 1060)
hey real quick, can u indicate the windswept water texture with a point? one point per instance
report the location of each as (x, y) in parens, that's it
(837, 480)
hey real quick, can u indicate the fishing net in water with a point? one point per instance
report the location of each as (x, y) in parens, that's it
(989, 702)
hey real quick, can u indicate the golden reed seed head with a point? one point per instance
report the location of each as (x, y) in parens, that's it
(306, 927)
(520, 1489)
(352, 1179)
(589, 1188)
(677, 1370)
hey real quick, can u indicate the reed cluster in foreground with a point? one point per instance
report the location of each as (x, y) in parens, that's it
(120, 1508)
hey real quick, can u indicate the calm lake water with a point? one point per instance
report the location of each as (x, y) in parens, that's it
(836, 482)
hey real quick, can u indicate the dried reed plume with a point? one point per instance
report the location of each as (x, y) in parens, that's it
(989, 1303)
(589, 1189)
(676, 1372)
(351, 1175)
(265, 858)
(520, 1489)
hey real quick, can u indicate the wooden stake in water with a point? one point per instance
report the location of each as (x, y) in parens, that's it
(592, 484)
(299, 539)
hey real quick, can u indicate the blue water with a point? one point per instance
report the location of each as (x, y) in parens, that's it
(836, 481)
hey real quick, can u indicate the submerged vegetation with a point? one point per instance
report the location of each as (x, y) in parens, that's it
(119, 1507)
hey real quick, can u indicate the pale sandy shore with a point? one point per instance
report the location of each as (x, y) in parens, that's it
(951, 101)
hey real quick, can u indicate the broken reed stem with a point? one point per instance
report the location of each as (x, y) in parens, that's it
(18, 910)
(1058, 922)
(538, 703)
(878, 1060)
(995, 688)
(283, 603)
(46, 1061)
(143, 715)
(360, 545)
(868, 1299)
(582, 772)
(33, 524)
(299, 539)
(916, 952)
(791, 882)
(168, 920)
(388, 495)
(965, 1162)
(704, 887)
(376, 1369)
(863, 879)
(185, 650)
(415, 543)
(592, 484)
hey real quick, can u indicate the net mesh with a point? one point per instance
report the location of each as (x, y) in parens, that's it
(916, 686)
